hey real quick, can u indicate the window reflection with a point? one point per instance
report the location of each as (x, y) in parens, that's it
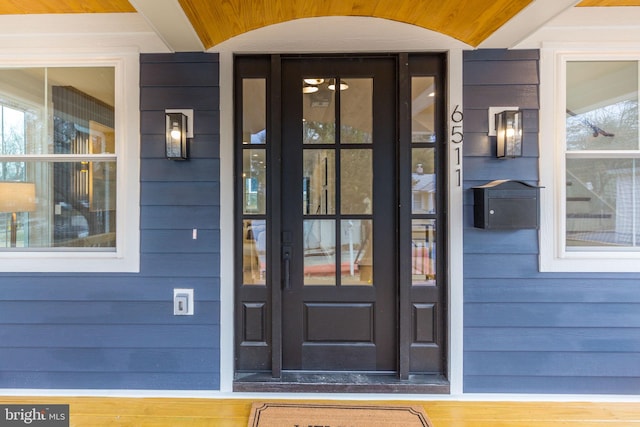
(357, 252)
(319, 252)
(254, 177)
(318, 112)
(603, 203)
(423, 109)
(356, 181)
(254, 111)
(423, 252)
(254, 252)
(45, 114)
(319, 185)
(423, 181)
(356, 111)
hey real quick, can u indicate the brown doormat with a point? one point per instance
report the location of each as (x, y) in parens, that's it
(336, 415)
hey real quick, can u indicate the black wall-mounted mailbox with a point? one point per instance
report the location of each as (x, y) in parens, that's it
(506, 205)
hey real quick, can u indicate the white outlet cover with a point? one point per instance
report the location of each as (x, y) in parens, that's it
(190, 301)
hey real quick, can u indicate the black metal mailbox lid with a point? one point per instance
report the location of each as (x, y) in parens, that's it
(506, 184)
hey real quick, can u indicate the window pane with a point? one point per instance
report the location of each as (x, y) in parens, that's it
(602, 105)
(423, 251)
(423, 109)
(22, 95)
(254, 111)
(254, 176)
(356, 181)
(356, 111)
(79, 211)
(603, 203)
(319, 252)
(319, 186)
(423, 181)
(82, 102)
(357, 252)
(318, 112)
(254, 252)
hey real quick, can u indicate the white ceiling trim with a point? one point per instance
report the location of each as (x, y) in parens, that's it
(78, 31)
(339, 34)
(592, 26)
(537, 14)
(171, 24)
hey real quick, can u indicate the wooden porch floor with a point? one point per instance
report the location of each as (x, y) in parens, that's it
(177, 412)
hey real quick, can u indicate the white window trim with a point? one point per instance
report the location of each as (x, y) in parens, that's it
(553, 254)
(126, 258)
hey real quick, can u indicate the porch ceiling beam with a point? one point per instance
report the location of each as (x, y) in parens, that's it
(527, 22)
(171, 24)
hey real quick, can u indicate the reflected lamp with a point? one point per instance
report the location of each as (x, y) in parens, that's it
(509, 134)
(17, 197)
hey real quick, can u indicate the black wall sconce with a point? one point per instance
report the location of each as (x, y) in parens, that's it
(507, 130)
(179, 130)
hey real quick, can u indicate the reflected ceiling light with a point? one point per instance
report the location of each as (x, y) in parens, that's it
(309, 89)
(432, 94)
(343, 86)
(314, 81)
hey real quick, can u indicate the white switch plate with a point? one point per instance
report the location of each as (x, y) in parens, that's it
(183, 302)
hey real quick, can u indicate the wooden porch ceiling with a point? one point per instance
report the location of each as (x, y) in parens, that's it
(470, 21)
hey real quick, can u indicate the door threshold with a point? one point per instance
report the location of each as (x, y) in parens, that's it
(340, 382)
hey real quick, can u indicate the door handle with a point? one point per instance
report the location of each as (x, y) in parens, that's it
(286, 267)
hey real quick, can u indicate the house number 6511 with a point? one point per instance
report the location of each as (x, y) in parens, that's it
(457, 137)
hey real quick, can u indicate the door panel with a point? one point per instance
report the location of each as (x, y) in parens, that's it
(338, 163)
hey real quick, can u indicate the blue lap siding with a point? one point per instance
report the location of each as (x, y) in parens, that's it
(526, 331)
(117, 331)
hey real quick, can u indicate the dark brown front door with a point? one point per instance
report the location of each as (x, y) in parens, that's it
(341, 222)
(339, 251)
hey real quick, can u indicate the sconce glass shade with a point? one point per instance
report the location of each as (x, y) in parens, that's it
(509, 134)
(176, 129)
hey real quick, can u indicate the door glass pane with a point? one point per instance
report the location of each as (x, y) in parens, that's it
(602, 105)
(603, 204)
(356, 111)
(357, 252)
(423, 109)
(318, 112)
(356, 181)
(254, 111)
(423, 181)
(319, 252)
(254, 249)
(423, 251)
(254, 170)
(319, 185)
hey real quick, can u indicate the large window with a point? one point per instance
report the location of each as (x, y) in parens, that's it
(597, 180)
(64, 144)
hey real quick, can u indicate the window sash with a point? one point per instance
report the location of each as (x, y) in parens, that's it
(126, 256)
(554, 253)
